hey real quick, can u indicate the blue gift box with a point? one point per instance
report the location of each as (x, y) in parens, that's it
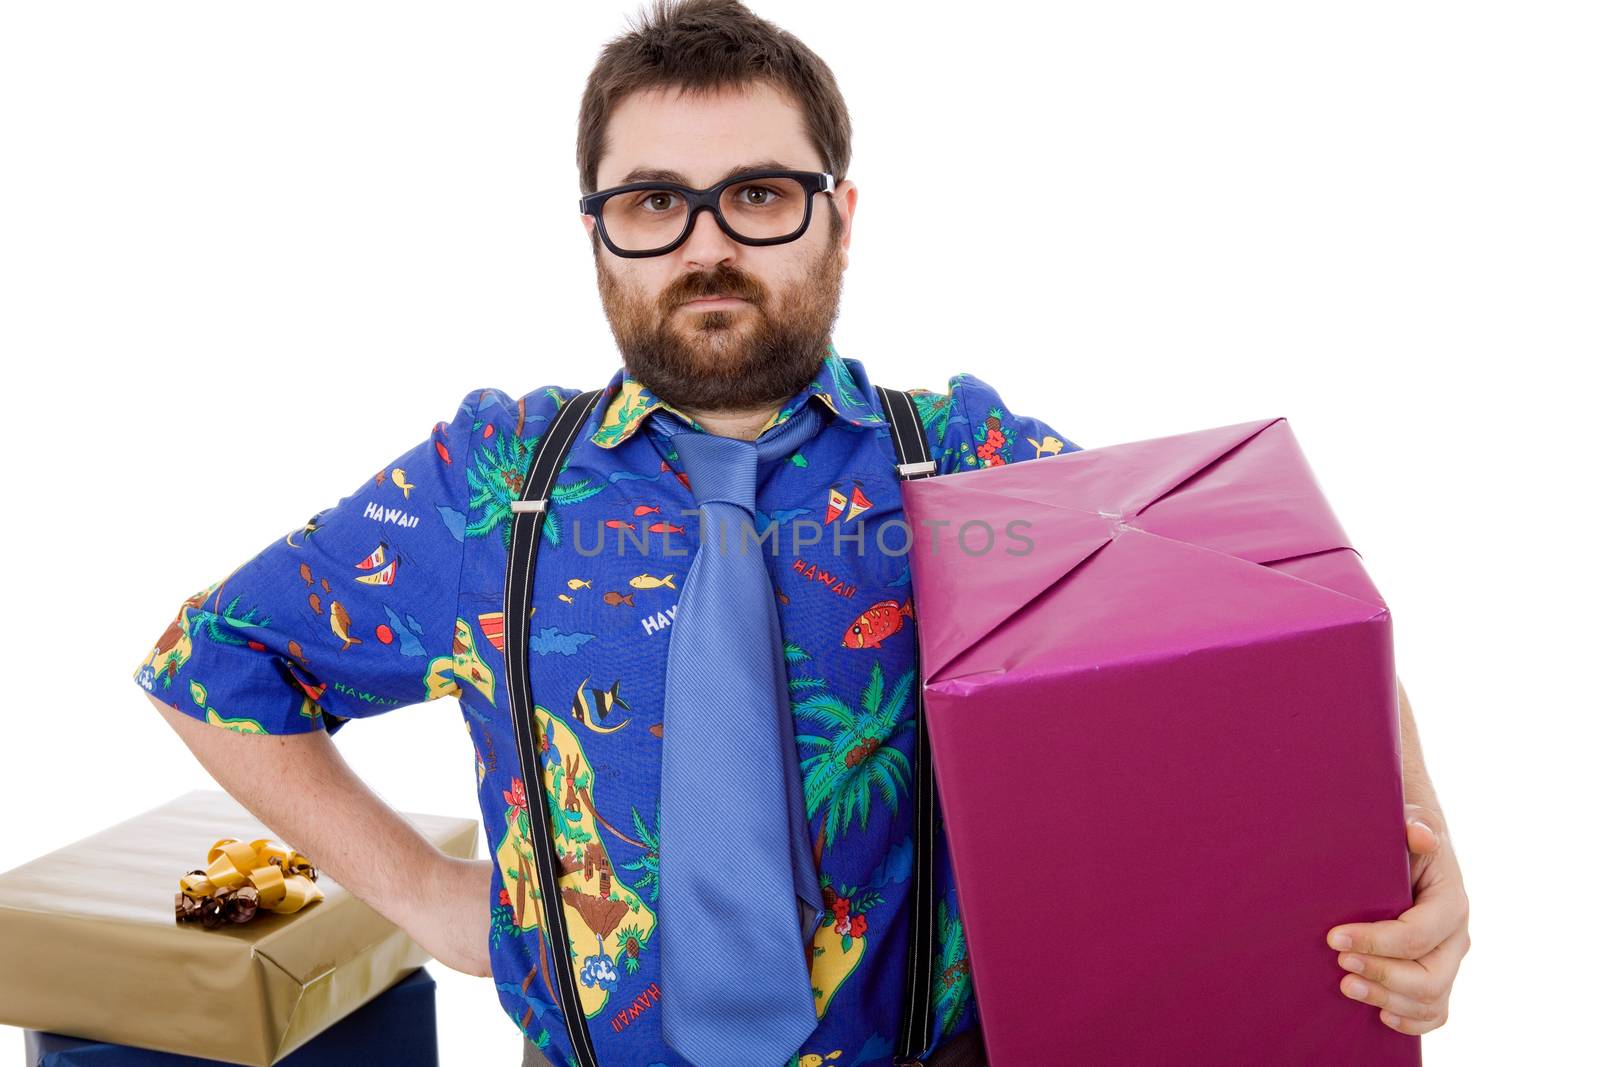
(397, 1028)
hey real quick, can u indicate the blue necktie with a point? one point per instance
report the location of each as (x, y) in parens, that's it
(739, 894)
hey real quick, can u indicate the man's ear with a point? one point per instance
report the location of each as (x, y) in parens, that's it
(844, 197)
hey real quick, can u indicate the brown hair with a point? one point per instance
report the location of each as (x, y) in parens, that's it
(700, 47)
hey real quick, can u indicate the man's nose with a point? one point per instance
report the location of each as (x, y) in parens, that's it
(706, 242)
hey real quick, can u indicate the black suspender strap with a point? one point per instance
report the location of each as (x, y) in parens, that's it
(916, 1017)
(527, 521)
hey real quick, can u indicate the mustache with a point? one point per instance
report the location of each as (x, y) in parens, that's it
(699, 287)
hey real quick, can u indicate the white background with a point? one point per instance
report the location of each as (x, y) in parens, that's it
(249, 252)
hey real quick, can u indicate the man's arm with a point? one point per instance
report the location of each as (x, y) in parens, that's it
(257, 671)
(304, 791)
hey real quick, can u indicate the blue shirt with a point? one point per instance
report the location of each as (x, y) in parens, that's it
(393, 597)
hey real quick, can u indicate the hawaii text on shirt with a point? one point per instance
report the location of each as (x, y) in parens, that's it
(393, 597)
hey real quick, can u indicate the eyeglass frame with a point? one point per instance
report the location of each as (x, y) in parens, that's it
(811, 181)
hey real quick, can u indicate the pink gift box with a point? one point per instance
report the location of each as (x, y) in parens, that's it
(1167, 746)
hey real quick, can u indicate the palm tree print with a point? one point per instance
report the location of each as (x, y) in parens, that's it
(567, 823)
(955, 974)
(933, 411)
(496, 480)
(857, 756)
(842, 379)
(207, 623)
(649, 860)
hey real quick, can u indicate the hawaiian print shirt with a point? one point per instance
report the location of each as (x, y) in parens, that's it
(393, 596)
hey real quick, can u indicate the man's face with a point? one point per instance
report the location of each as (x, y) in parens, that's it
(764, 348)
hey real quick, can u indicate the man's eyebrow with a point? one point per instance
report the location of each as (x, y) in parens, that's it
(659, 174)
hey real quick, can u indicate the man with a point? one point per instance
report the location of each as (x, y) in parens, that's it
(733, 858)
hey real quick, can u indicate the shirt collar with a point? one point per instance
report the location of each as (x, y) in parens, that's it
(840, 384)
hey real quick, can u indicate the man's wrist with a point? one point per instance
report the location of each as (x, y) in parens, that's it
(429, 887)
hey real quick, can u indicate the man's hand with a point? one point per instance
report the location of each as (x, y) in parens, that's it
(449, 916)
(1407, 965)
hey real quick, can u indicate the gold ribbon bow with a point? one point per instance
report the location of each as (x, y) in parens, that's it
(240, 878)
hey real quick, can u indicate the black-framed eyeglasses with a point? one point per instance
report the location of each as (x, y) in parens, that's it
(760, 207)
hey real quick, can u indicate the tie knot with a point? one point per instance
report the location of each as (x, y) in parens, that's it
(725, 468)
(718, 468)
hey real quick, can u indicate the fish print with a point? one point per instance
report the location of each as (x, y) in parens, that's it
(593, 709)
(384, 640)
(339, 620)
(871, 627)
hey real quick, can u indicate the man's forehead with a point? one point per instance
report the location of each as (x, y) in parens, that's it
(700, 139)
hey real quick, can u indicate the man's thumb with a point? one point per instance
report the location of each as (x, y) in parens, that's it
(1420, 836)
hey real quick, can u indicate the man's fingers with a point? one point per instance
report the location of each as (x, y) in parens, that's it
(1413, 996)
(1418, 930)
(1421, 838)
(1426, 980)
(1412, 1016)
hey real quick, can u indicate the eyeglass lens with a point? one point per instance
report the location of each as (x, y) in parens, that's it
(642, 220)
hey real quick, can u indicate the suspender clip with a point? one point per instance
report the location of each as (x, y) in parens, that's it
(907, 470)
(527, 505)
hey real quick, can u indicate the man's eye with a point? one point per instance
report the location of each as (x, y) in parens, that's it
(648, 201)
(764, 195)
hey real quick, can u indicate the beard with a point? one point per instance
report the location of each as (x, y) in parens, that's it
(732, 359)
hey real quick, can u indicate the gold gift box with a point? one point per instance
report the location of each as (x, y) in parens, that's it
(93, 948)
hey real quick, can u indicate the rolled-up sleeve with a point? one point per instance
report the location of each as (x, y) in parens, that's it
(348, 615)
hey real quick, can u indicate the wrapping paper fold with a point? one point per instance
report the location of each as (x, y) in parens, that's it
(1167, 747)
(93, 948)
